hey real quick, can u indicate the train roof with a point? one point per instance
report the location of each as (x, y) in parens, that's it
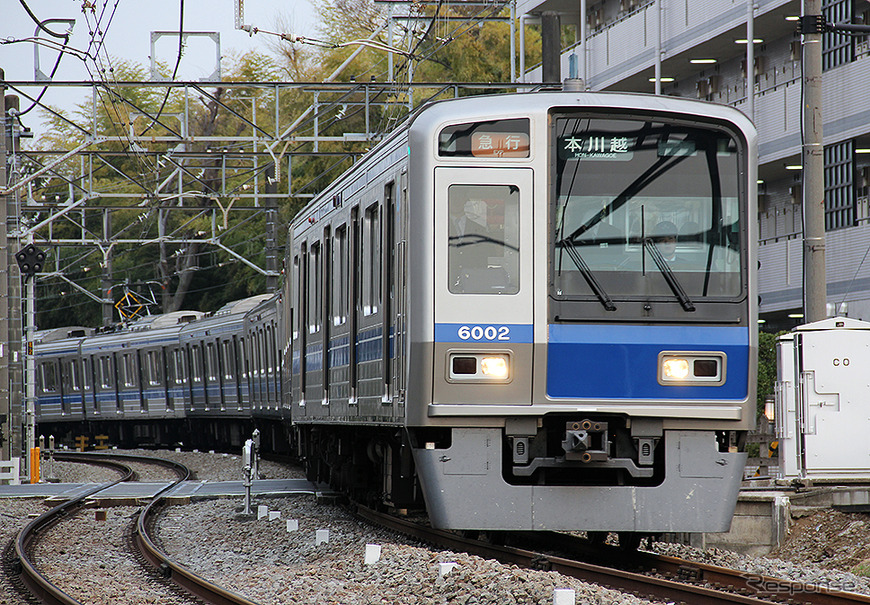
(242, 306)
(166, 320)
(68, 332)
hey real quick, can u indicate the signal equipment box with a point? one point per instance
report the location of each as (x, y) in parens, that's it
(823, 400)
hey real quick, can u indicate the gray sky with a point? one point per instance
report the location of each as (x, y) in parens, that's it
(128, 35)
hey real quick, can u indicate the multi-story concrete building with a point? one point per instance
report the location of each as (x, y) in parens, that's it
(701, 50)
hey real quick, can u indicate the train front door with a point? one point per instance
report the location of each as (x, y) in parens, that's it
(483, 286)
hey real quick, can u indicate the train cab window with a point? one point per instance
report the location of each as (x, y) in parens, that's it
(483, 239)
(340, 277)
(371, 260)
(646, 209)
(48, 377)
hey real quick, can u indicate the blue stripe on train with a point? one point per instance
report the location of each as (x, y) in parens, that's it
(616, 362)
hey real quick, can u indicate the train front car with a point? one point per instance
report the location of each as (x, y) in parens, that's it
(587, 341)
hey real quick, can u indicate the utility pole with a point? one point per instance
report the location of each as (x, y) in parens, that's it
(12, 209)
(815, 280)
(5, 408)
(551, 48)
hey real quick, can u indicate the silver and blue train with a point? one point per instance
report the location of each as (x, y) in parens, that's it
(529, 311)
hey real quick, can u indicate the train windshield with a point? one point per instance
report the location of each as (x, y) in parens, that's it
(645, 210)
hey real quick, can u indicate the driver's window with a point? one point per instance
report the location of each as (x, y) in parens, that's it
(483, 239)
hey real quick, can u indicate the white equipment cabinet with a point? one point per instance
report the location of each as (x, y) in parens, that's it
(823, 400)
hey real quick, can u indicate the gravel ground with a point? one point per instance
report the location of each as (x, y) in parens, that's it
(15, 513)
(66, 556)
(264, 561)
(826, 547)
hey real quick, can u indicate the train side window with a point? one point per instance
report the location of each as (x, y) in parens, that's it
(106, 372)
(128, 370)
(297, 283)
(152, 368)
(315, 289)
(483, 239)
(211, 362)
(48, 377)
(242, 357)
(371, 265)
(270, 357)
(229, 362)
(196, 363)
(178, 364)
(340, 277)
(261, 352)
(86, 374)
(74, 383)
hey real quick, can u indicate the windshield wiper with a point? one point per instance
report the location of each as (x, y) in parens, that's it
(669, 276)
(587, 274)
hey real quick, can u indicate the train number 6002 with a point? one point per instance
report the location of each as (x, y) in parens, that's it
(484, 333)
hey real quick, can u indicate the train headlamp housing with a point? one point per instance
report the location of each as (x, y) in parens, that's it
(478, 367)
(696, 368)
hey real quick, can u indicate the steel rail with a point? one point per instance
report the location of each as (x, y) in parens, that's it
(183, 472)
(33, 580)
(181, 575)
(735, 591)
(30, 576)
(748, 583)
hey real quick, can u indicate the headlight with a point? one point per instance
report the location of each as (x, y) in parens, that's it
(478, 367)
(697, 368)
(675, 368)
(494, 367)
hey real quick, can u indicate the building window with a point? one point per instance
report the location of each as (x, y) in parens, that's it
(837, 49)
(839, 185)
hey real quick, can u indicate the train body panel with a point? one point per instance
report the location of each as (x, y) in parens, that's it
(532, 311)
(543, 322)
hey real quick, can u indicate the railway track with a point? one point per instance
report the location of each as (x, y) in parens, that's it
(34, 582)
(653, 576)
(28, 575)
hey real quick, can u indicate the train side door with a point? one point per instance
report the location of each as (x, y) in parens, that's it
(483, 286)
